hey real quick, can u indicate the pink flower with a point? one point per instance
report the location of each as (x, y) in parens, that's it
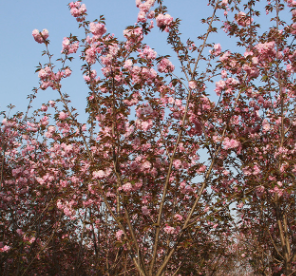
(163, 20)
(5, 248)
(68, 72)
(19, 231)
(127, 187)
(44, 73)
(220, 85)
(63, 115)
(90, 55)
(128, 64)
(192, 85)
(225, 56)
(217, 50)
(45, 33)
(230, 143)
(202, 169)
(69, 48)
(97, 29)
(142, 17)
(243, 20)
(177, 163)
(147, 53)
(146, 165)
(169, 230)
(265, 125)
(119, 235)
(260, 189)
(99, 174)
(145, 210)
(82, 9)
(178, 217)
(171, 100)
(138, 3)
(165, 66)
(51, 129)
(240, 205)
(37, 36)
(266, 49)
(44, 108)
(224, 2)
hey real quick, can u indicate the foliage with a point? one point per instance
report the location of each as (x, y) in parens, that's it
(127, 192)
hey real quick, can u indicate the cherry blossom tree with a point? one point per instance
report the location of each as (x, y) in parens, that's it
(145, 186)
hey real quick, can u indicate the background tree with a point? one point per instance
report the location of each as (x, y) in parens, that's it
(126, 193)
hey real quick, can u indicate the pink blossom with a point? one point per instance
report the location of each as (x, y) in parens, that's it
(225, 56)
(69, 48)
(82, 9)
(45, 33)
(68, 72)
(99, 174)
(177, 163)
(240, 205)
(243, 20)
(44, 73)
(169, 230)
(37, 36)
(255, 60)
(165, 66)
(192, 85)
(230, 143)
(266, 49)
(145, 125)
(63, 115)
(163, 20)
(178, 217)
(260, 189)
(220, 85)
(142, 17)
(128, 64)
(138, 3)
(147, 53)
(265, 125)
(217, 50)
(202, 169)
(151, 15)
(146, 165)
(44, 108)
(97, 29)
(224, 2)
(51, 129)
(171, 100)
(145, 210)
(90, 55)
(119, 235)
(127, 187)
(5, 248)
(19, 231)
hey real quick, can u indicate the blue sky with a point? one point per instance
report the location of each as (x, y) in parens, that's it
(20, 54)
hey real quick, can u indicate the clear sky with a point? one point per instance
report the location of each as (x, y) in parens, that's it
(20, 54)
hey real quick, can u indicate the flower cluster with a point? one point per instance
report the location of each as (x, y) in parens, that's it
(69, 47)
(145, 12)
(165, 66)
(78, 11)
(164, 21)
(40, 37)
